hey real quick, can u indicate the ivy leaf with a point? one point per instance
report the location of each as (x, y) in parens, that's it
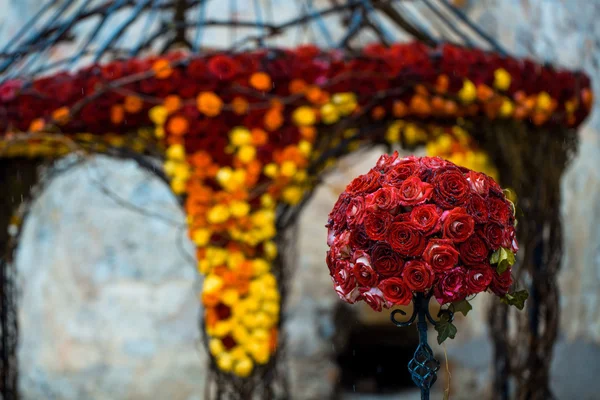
(516, 299)
(445, 329)
(462, 306)
(504, 258)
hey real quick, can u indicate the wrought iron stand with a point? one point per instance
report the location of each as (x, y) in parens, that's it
(423, 367)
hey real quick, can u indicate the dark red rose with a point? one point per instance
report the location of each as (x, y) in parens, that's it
(478, 183)
(402, 169)
(451, 286)
(441, 255)
(405, 238)
(395, 291)
(223, 67)
(494, 187)
(450, 188)
(417, 275)
(457, 225)
(359, 238)
(501, 283)
(478, 278)
(477, 207)
(365, 275)
(500, 211)
(426, 218)
(374, 298)
(377, 224)
(474, 250)
(330, 260)
(355, 213)
(338, 214)
(364, 184)
(494, 234)
(383, 199)
(413, 192)
(385, 260)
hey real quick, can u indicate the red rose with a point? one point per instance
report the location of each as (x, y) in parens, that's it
(386, 162)
(385, 260)
(330, 260)
(377, 224)
(362, 257)
(338, 214)
(441, 255)
(457, 225)
(478, 278)
(494, 187)
(474, 250)
(433, 163)
(501, 283)
(451, 286)
(413, 192)
(500, 211)
(355, 212)
(426, 218)
(345, 282)
(478, 209)
(384, 199)
(374, 298)
(359, 238)
(512, 237)
(494, 234)
(395, 291)
(405, 238)
(366, 183)
(223, 67)
(365, 275)
(478, 183)
(450, 188)
(402, 169)
(341, 245)
(417, 275)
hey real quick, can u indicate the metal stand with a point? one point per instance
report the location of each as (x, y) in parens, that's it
(423, 367)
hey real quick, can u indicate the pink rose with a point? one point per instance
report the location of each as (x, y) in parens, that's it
(451, 286)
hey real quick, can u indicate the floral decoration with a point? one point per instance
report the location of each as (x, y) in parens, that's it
(421, 225)
(242, 133)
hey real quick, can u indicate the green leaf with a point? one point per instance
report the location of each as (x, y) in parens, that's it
(462, 306)
(445, 329)
(516, 299)
(504, 258)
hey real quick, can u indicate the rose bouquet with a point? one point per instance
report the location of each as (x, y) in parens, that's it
(422, 226)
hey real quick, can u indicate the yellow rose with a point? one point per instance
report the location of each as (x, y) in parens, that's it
(468, 93)
(501, 79)
(240, 136)
(243, 368)
(225, 362)
(176, 152)
(216, 347)
(218, 214)
(329, 114)
(304, 116)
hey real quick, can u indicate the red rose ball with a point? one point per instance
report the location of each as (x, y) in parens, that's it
(420, 225)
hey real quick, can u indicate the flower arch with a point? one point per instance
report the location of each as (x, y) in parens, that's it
(244, 137)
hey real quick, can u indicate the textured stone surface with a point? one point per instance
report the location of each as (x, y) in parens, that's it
(108, 303)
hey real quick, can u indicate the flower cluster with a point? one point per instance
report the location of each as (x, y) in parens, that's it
(420, 225)
(437, 83)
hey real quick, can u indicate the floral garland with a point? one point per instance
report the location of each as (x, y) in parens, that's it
(241, 131)
(422, 225)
